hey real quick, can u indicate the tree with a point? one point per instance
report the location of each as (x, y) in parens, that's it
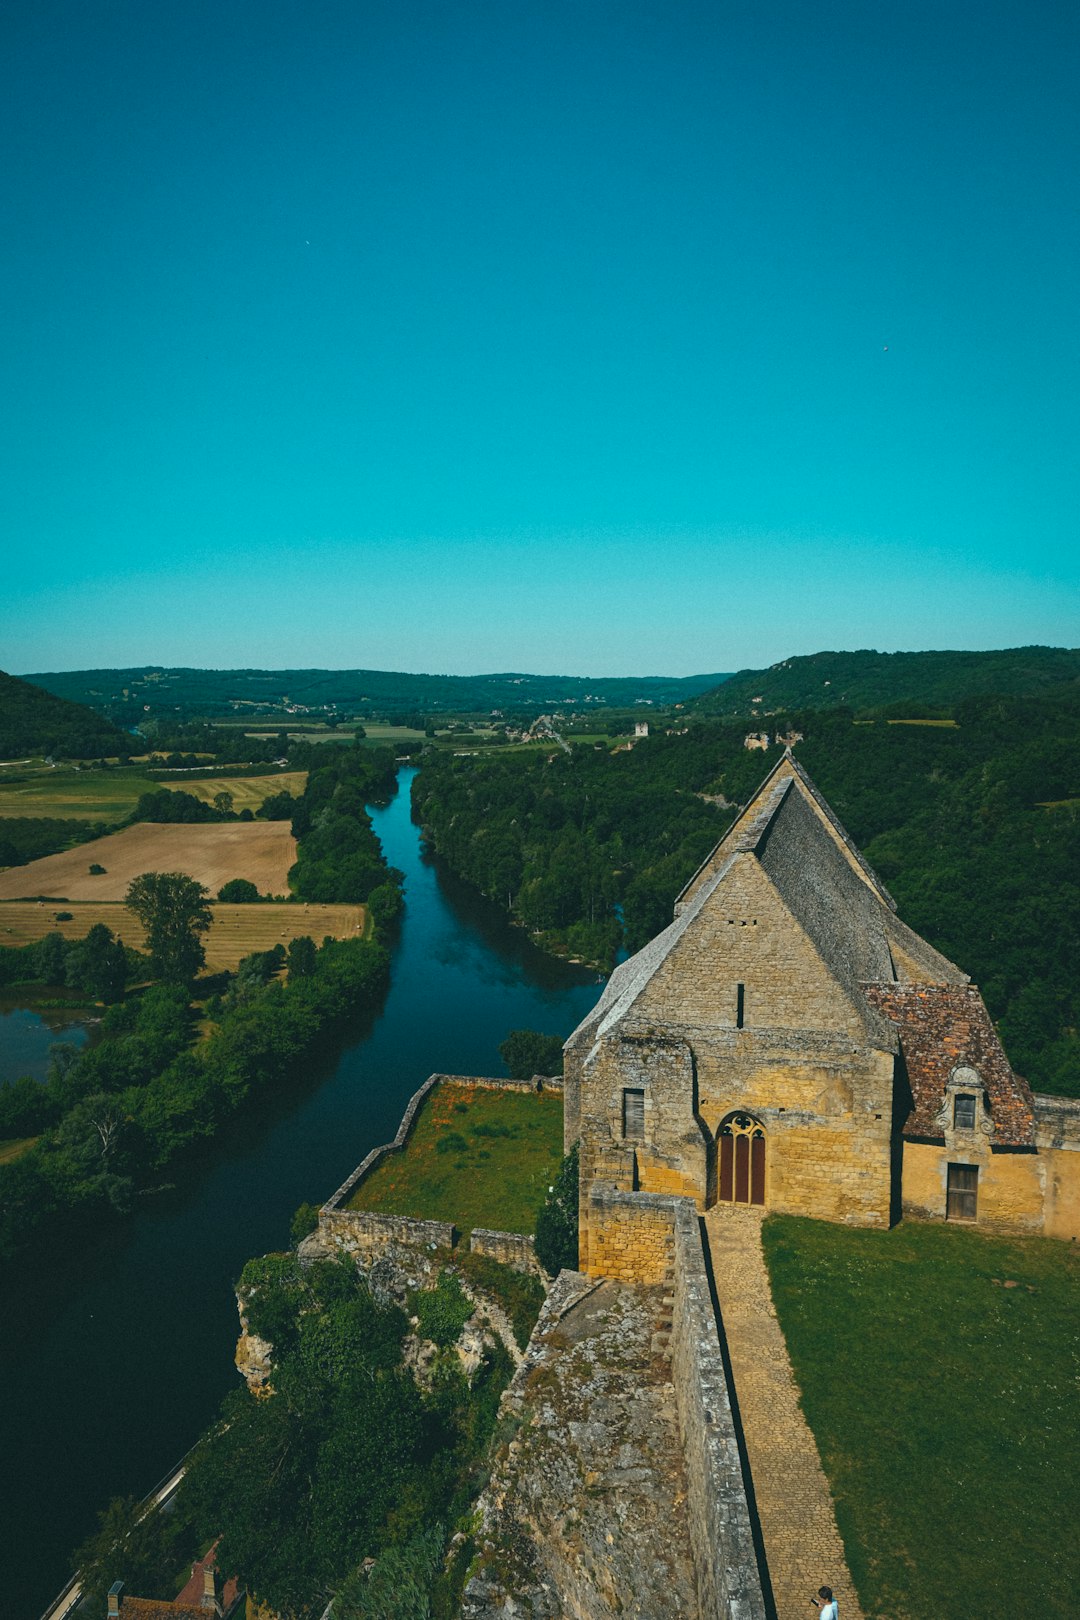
(238, 891)
(173, 910)
(557, 1222)
(223, 801)
(144, 1550)
(302, 957)
(98, 964)
(527, 1052)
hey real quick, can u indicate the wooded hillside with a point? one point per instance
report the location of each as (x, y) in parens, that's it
(875, 680)
(33, 721)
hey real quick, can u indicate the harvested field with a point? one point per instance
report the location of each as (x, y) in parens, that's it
(248, 792)
(212, 853)
(236, 930)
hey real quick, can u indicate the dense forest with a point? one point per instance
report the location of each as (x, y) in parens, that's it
(33, 721)
(973, 823)
(874, 680)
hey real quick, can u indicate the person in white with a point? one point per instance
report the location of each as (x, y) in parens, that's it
(830, 1609)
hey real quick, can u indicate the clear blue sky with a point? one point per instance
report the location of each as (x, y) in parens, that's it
(601, 337)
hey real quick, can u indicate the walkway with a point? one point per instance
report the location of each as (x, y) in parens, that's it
(802, 1544)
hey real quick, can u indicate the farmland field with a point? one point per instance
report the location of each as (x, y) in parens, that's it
(210, 852)
(236, 930)
(71, 795)
(248, 792)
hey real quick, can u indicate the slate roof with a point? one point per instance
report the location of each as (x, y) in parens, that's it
(943, 1027)
(789, 831)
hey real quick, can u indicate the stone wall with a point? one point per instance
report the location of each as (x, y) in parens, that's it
(511, 1249)
(1057, 1134)
(629, 1236)
(728, 1578)
(646, 1238)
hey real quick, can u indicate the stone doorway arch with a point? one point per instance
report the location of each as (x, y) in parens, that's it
(741, 1160)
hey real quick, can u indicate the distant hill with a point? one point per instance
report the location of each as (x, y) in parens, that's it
(127, 694)
(33, 721)
(873, 680)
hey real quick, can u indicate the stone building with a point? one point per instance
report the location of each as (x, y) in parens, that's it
(787, 1041)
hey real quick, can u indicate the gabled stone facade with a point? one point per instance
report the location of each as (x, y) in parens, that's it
(788, 1041)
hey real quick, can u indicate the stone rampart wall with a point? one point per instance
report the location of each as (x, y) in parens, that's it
(364, 1233)
(729, 1581)
(509, 1248)
(643, 1237)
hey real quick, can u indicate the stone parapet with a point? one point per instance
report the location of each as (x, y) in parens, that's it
(647, 1238)
(511, 1249)
(725, 1559)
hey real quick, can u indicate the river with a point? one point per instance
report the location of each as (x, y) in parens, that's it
(113, 1363)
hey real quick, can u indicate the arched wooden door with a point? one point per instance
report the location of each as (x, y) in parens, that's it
(741, 1160)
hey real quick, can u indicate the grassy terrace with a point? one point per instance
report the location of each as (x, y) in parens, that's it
(939, 1369)
(475, 1157)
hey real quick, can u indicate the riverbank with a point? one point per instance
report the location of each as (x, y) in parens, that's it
(116, 1359)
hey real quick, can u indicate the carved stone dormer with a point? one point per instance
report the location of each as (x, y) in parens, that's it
(964, 1118)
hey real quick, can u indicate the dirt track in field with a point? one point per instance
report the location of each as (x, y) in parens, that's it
(236, 930)
(212, 853)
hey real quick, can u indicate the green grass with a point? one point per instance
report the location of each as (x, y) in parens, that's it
(475, 1157)
(946, 1409)
(71, 795)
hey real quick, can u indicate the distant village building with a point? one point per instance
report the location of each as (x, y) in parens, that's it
(788, 1042)
(756, 739)
(641, 728)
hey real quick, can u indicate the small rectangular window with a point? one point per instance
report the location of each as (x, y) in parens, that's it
(633, 1115)
(740, 1005)
(963, 1192)
(964, 1111)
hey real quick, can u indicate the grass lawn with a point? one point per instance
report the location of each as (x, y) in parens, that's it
(14, 1146)
(946, 1407)
(475, 1157)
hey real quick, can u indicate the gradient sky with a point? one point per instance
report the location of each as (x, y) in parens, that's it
(601, 337)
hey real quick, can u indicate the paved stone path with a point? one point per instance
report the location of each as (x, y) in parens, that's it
(802, 1544)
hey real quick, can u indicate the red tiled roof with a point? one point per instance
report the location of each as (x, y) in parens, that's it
(944, 1026)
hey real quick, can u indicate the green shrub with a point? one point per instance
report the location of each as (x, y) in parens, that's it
(304, 1222)
(452, 1142)
(557, 1222)
(442, 1311)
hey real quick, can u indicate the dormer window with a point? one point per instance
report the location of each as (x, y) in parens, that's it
(964, 1111)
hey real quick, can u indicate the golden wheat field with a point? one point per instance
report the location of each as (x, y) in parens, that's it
(212, 853)
(248, 792)
(236, 930)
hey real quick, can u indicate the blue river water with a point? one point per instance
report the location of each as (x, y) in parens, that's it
(28, 1033)
(112, 1364)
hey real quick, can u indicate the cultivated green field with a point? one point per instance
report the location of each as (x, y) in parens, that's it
(475, 1157)
(940, 1374)
(87, 795)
